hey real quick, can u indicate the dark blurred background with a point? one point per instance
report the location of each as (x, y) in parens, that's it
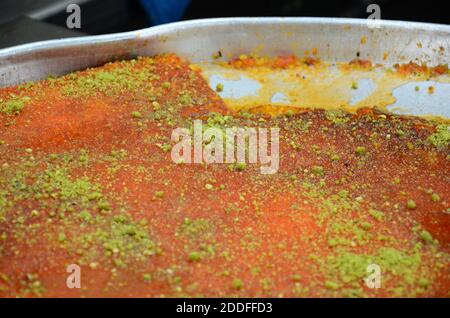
(23, 21)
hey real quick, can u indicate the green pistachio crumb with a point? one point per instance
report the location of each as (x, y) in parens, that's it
(410, 146)
(219, 87)
(14, 105)
(366, 226)
(239, 166)
(441, 138)
(331, 285)
(360, 151)
(165, 147)
(336, 116)
(343, 194)
(104, 206)
(411, 204)
(147, 277)
(237, 284)
(61, 237)
(435, 197)
(290, 113)
(296, 278)
(335, 157)
(136, 114)
(85, 216)
(377, 215)
(194, 257)
(93, 265)
(426, 236)
(318, 170)
(423, 282)
(156, 106)
(159, 194)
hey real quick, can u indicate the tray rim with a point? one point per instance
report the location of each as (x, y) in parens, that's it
(161, 29)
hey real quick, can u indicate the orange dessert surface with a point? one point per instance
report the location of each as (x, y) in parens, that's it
(86, 178)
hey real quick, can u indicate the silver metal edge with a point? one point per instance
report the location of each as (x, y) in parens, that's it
(160, 30)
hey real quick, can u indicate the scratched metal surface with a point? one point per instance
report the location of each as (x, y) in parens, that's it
(337, 40)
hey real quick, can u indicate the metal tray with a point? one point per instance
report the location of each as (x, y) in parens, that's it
(336, 40)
